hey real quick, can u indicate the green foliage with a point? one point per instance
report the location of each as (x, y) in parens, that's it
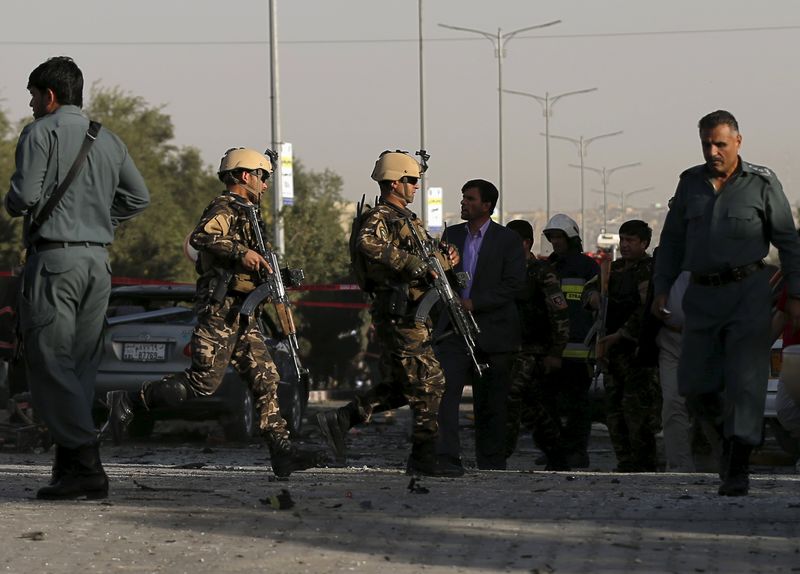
(314, 237)
(151, 245)
(10, 229)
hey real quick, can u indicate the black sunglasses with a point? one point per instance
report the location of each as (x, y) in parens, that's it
(262, 173)
(411, 180)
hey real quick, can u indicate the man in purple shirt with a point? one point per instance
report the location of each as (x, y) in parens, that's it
(495, 260)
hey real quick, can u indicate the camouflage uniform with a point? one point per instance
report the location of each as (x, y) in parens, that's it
(410, 373)
(221, 336)
(632, 391)
(544, 317)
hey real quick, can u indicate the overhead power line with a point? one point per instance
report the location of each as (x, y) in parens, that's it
(390, 40)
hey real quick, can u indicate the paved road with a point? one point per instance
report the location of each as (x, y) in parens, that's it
(190, 504)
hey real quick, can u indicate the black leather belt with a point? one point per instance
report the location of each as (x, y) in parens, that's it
(728, 276)
(48, 245)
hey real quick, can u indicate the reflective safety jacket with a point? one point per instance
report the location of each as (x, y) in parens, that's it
(575, 269)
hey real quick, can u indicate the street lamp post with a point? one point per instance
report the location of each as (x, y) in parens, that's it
(547, 102)
(499, 41)
(623, 194)
(583, 145)
(605, 174)
(423, 184)
(277, 194)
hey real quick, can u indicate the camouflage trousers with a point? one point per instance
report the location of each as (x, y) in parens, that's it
(633, 409)
(528, 404)
(410, 375)
(223, 338)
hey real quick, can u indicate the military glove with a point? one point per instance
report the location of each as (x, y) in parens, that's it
(416, 267)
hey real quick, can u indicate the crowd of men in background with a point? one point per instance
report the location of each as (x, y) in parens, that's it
(698, 315)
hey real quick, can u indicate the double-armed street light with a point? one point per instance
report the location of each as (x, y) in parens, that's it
(605, 174)
(583, 145)
(547, 102)
(621, 195)
(499, 41)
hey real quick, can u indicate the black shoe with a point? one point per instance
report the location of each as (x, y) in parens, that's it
(439, 467)
(62, 462)
(120, 414)
(424, 461)
(735, 468)
(286, 458)
(83, 478)
(334, 426)
(578, 459)
(557, 461)
(735, 485)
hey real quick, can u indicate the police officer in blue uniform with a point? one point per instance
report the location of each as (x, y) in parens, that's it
(67, 275)
(721, 221)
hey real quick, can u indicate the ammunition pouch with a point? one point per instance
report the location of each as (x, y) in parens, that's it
(221, 284)
(393, 301)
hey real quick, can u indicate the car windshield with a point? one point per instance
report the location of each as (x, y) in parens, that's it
(152, 308)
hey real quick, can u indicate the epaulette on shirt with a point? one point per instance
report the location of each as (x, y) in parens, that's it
(764, 172)
(696, 170)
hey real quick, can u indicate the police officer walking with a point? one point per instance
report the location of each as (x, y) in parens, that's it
(544, 318)
(721, 221)
(71, 208)
(386, 266)
(229, 265)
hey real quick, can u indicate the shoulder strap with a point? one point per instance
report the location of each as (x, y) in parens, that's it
(91, 135)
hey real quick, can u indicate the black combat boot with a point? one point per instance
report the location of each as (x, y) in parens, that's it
(424, 461)
(83, 478)
(556, 460)
(735, 472)
(334, 426)
(287, 458)
(62, 462)
(120, 413)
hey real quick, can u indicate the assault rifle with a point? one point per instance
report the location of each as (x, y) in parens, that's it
(273, 288)
(463, 322)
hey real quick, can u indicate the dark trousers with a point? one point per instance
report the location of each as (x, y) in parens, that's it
(489, 398)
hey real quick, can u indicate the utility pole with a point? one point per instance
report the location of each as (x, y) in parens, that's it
(423, 180)
(547, 102)
(605, 174)
(583, 145)
(499, 41)
(277, 198)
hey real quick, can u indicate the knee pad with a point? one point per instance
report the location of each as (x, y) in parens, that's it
(165, 393)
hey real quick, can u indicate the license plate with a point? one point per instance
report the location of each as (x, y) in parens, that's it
(144, 352)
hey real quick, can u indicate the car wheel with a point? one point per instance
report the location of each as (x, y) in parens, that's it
(240, 425)
(292, 406)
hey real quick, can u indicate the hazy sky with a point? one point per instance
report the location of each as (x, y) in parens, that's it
(349, 82)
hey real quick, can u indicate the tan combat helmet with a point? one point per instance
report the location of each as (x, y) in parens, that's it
(394, 165)
(243, 158)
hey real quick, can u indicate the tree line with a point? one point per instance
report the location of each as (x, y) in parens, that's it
(181, 185)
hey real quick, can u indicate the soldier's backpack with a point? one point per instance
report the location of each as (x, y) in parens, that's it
(358, 262)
